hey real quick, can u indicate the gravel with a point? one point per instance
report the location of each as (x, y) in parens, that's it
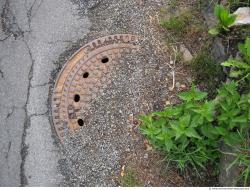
(92, 156)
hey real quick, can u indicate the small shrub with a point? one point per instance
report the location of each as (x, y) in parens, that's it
(225, 20)
(178, 131)
(190, 134)
(240, 67)
(232, 113)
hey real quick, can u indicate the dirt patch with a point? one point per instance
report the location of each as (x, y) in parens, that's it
(149, 166)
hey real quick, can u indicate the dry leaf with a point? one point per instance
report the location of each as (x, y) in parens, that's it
(148, 146)
(123, 171)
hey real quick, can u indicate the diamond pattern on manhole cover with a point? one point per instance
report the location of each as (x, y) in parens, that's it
(83, 77)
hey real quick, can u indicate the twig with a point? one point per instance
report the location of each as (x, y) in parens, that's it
(173, 68)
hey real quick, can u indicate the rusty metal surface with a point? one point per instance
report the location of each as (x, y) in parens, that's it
(83, 77)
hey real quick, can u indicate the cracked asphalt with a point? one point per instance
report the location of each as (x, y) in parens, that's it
(33, 33)
(36, 39)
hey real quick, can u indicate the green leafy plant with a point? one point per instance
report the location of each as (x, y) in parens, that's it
(178, 131)
(240, 67)
(191, 133)
(232, 113)
(225, 19)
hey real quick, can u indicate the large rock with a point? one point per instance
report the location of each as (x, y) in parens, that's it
(243, 16)
(228, 178)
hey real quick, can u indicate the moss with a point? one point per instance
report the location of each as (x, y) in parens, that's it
(177, 24)
(130, 179)
(186, 26)
(173, 4)
(207, 73)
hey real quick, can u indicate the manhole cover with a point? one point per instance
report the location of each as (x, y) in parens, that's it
(83, 77)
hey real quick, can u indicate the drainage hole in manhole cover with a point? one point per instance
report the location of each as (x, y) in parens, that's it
(85, 75)
(80, 122)
(77, 98)
(105, 60)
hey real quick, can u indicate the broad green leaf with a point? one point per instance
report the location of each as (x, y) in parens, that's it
(168, 144)
(200, 95)
(186, 96)
(229, 21)
(235, 63)
(208, 110)
(179, 131)
(185, 120)
(191, 132)
(189, 105)
(171, 112)
(160, 137)
(150, 131)
(220, 130)
(159, 122)
(224, 15)
(196, 120)
(193, 94)
(214, 31)
(236, 74)
(217, 10)
(160, 114)
(146, 119)
(174, 124)
(226, 19)
(184, 142)
(207, 131)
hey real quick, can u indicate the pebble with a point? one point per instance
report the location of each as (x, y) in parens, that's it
(183, 86)
(177, 85)
(187, 56)
(167, 103)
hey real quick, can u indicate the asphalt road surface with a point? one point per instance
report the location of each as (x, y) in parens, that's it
(33, 33)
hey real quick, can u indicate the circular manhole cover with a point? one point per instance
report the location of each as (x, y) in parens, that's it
(83, 77)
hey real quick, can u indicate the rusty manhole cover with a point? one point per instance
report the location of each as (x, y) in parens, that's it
(83, 77)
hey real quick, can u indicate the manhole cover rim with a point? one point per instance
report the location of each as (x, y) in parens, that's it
(131, 38)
